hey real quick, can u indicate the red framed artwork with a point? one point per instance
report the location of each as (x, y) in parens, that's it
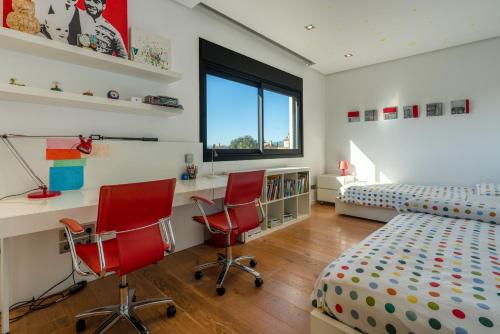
(75, 21)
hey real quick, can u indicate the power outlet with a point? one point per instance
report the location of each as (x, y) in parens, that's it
(83, 238)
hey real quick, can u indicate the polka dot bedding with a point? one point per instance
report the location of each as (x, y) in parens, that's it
(420, 273)
(488, 189)
(394, 195)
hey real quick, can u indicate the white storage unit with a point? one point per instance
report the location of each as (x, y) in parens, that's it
(329, 185)
(283, 201)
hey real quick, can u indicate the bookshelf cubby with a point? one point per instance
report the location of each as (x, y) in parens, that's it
(285, 199)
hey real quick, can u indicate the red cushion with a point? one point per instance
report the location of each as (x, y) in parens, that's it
(89, 254)
(219, 221)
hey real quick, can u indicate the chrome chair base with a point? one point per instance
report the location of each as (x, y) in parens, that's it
(226, 263)
(126, 310)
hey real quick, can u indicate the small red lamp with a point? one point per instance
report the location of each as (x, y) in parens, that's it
(85, 146)
(343, 166)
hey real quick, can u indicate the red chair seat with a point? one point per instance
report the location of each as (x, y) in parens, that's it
(219, 221)
(89, 254)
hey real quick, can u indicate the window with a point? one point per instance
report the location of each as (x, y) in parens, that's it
(248, 110)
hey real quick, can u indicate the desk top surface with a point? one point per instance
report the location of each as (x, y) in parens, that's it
(22, 206)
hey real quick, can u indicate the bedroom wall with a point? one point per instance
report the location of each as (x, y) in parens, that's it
(37, 252)
(458, 149)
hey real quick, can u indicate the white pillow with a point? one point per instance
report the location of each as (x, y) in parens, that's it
(488, 189)
(488, 200)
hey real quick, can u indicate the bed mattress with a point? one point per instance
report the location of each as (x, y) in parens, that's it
(420, 273)
(394, 195)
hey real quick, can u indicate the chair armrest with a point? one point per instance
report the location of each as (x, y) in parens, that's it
(202, 199)
(74, 226)
(166, 226)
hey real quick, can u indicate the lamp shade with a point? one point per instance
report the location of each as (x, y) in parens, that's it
(344, 164)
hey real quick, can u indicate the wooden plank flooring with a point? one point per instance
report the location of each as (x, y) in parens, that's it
(289, 261)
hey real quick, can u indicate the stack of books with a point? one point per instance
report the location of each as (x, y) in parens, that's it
(289, 188)
(273, 188)
(302, 184)
(273, 222)
(164, 101)
(288, 216)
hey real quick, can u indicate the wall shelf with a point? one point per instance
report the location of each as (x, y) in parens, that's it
(41, 47)
(62, 99)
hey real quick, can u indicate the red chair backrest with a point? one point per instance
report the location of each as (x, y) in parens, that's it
(244, 187)
(136, 206)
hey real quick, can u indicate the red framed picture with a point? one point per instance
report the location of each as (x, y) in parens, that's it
(390, 113)
(353, 116)
(77, 22)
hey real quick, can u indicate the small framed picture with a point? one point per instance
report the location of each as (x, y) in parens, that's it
(434, 109)
(371, 115)
(411, 111)
(353, 116)
(460, 107)
(390, 113)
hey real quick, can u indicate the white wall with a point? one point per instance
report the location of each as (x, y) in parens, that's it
(183, 26)
(458, 149)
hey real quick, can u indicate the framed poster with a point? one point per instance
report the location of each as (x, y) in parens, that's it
(353, 116)
(67, 20)
(411, 111)
(150, 49)
(434, 109)
(390, 113)
(460, 107)
(371, 115)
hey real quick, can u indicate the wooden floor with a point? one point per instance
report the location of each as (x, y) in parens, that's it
(289, 261)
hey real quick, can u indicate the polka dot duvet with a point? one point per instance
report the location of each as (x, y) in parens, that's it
(420, 273)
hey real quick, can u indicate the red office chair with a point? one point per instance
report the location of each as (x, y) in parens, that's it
(239, 215)
(133, 230)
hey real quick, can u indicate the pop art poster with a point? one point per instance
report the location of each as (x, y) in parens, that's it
(68, 20)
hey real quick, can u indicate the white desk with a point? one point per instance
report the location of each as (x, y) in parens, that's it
(21, 216)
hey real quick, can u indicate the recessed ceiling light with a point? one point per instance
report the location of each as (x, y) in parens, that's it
(348, 55)
(310, 27)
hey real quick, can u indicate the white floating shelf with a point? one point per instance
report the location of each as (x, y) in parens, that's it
(71, 100)
(42, 47)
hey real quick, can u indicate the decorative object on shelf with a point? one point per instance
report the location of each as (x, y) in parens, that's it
(390, 113)
(371, 115)
(22, 17)
(192, 171)
(88, 93)
(150, 49)
(55, 86)
(353, 116)
(87, 41)
(65, 20)
(164, 101)
(13, 81)
(114, 95)
(434, 109)
(411, 111)
(343, 166)
(135, 99)
(185, 176)
(460, 107)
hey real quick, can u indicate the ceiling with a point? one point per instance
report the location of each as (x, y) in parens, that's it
(373, 31)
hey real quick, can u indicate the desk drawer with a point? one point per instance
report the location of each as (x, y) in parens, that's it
(327, 195)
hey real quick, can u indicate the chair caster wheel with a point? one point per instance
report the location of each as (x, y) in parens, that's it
(80, 326)
(258, 282)
(221, 291)
(198, 275)
(171, 311)
(253, 263)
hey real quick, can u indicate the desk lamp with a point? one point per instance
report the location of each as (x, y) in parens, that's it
(85, 146)
(214, 155)
(344, 165)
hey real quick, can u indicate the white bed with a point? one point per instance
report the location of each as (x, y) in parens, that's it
(420, 273)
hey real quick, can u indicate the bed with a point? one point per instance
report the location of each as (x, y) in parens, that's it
(379, 201)
(434, 268)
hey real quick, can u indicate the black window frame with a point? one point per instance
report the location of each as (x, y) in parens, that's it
(227, 64)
